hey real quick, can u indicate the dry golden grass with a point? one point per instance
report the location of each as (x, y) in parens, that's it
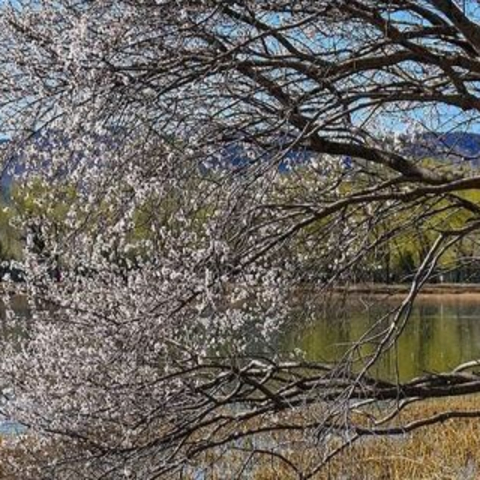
(446, 451)
(450, 450)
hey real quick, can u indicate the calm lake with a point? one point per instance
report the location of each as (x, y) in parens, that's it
(443, 331)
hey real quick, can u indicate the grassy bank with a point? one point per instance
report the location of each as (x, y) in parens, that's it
(428, 289)
(450, 450)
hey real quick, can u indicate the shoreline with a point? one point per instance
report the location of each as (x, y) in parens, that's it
(455, 292)
(428, 289)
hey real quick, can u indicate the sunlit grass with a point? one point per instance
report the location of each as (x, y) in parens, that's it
(449, 450)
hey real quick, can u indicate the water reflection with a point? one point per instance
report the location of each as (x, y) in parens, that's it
(14, 331)
(441, 334)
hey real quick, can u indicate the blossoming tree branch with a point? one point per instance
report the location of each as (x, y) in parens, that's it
(200, 174)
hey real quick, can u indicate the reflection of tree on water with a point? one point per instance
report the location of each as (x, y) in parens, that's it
(438, 336)
(13, 331)
(426, 337)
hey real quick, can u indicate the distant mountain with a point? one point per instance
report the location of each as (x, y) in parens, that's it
(459, 147)
(44, 143)
(454, 146)
(237, 157)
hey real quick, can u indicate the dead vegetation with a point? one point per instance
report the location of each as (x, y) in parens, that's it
(447, 450)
